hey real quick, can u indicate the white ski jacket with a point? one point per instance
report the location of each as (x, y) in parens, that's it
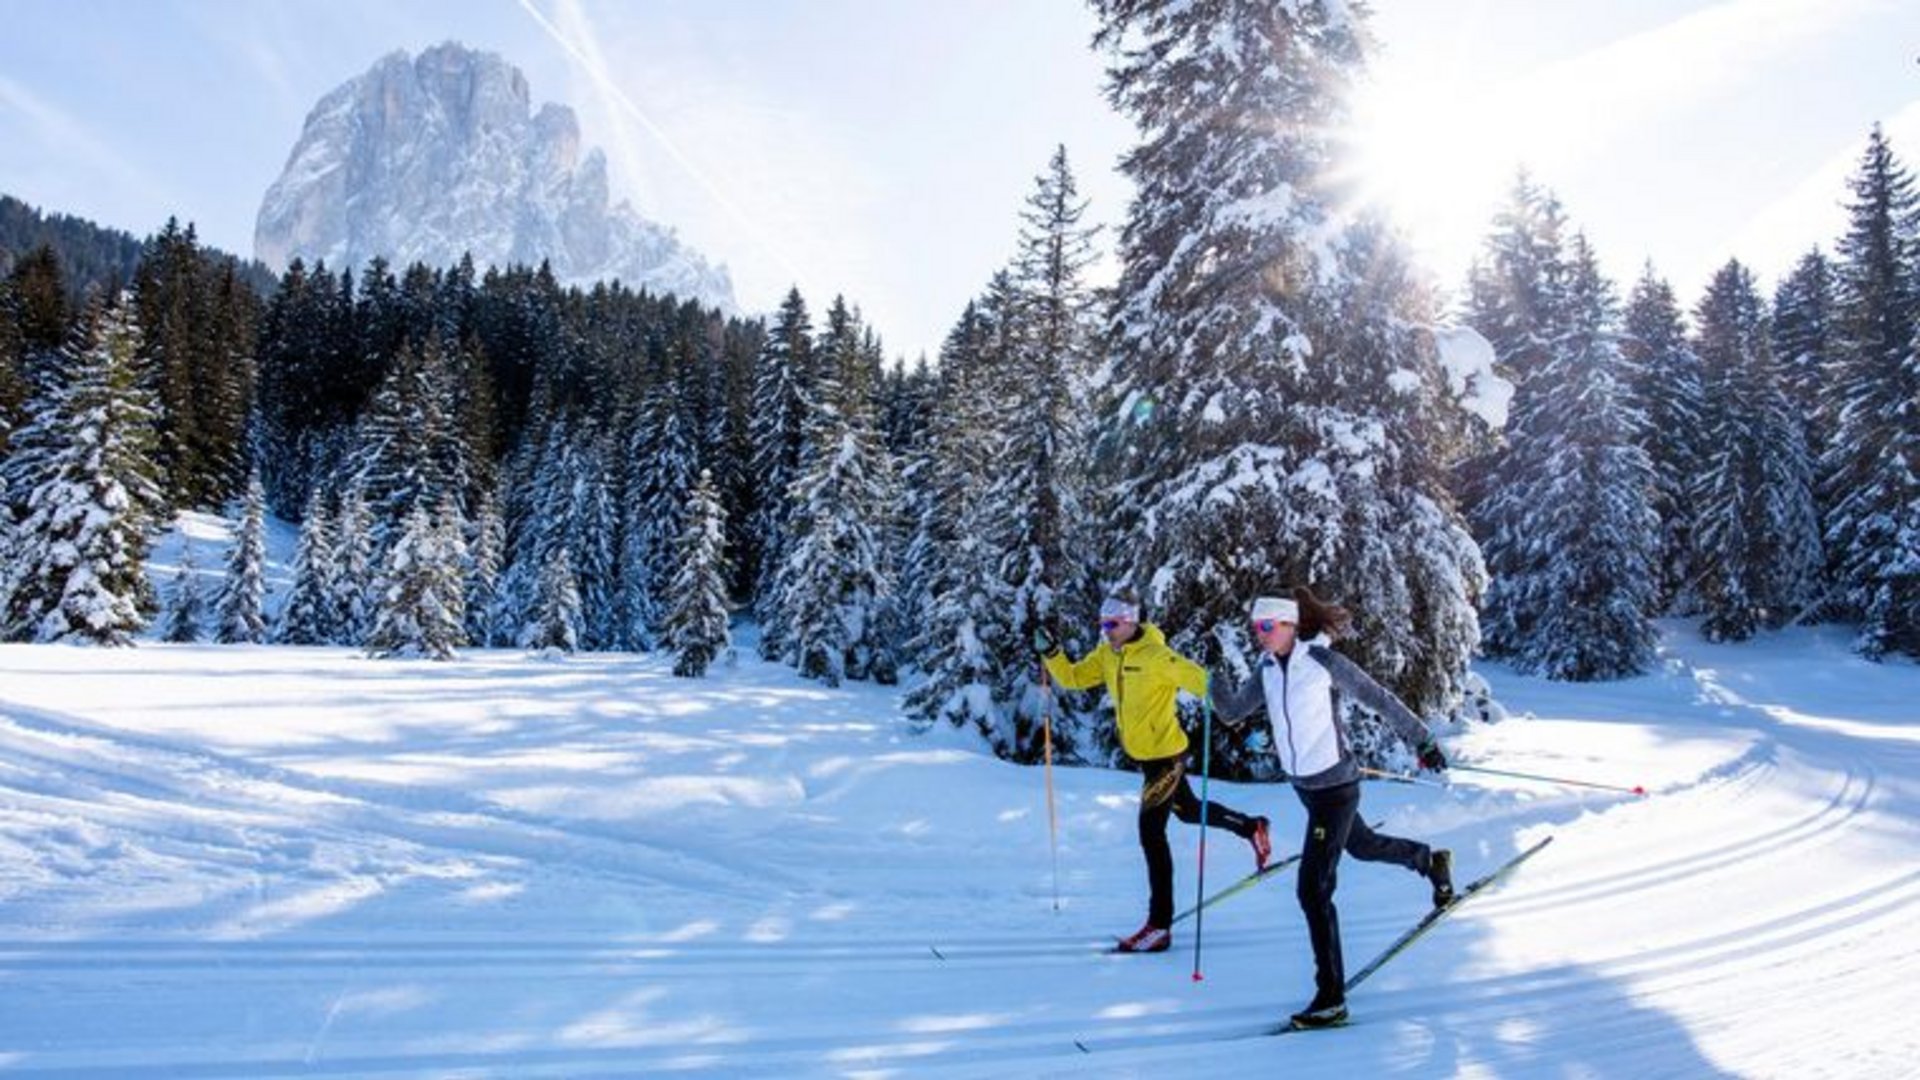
(1301, 692)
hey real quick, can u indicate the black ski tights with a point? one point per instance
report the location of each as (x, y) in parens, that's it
(1164, 792)
(1333, 827)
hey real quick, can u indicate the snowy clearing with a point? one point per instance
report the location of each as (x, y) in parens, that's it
(259, 862)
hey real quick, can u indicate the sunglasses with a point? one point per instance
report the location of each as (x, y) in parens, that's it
(1110, 624)
(1266, 626)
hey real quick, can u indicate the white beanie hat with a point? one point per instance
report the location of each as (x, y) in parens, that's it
(1117, 608)
(1277, 609)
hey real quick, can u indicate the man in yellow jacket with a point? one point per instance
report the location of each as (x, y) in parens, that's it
(1143, 677)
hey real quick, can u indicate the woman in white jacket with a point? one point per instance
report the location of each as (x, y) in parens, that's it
(1299, 683)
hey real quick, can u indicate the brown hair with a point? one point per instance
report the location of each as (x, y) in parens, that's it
(1317, 616)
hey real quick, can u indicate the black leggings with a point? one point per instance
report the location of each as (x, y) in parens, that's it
(1164, 791)
(1334, 826)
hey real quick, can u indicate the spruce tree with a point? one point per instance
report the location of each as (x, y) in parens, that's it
(484, 548)
(949, 583)
(1037, 498)
(1802, 338)
(554, 622)
(240, 612)
(309, 614)
(593, 533)
(413, 617)
(1668, 384)
(1268, 390)
(1872, 466)
(696, 624)
(185, 608)
(353, 570)
(1759, 545)
(88, 490)
(1572, 564)
(834, 582)
(782, 381)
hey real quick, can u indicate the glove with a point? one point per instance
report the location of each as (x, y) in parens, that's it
(1044, 643)
(1431, 759)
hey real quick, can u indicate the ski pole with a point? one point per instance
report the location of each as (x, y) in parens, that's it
(1200, 887)
(1400, 778)
(1634, 790)
(1053, 820)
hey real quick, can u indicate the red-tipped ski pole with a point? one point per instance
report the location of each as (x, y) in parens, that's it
(1634, 790)
(1053, 820)
(1200, 886)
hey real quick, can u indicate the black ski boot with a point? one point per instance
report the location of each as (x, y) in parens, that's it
(1440, 872)
(1323, 1012)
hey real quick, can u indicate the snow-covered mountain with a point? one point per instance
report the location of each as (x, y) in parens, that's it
(424, 159)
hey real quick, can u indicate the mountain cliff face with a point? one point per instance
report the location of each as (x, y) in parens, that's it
(426, 159)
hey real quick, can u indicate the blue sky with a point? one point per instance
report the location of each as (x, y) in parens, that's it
(881, 149)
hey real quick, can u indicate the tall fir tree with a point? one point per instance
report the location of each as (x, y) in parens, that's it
(834, 580)
(696, 624)
(1668, 384)
(949, 586)
(1758, 536)
(554, 622)
(419, 612)
(1872, 465)
(84, 478)
(593, 535)
(185, 608)
(1254, 443)
(485, 548)
(353, 570)
(1802, 338)
(1038, 498)
(782, 382)
(1575, 538)
(240, 612)
(308, 617)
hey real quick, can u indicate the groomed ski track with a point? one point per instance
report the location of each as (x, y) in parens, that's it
(289, 862)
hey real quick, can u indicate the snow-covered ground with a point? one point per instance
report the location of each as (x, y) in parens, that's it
(260, 862)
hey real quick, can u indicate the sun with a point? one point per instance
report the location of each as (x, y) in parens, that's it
(1435, 153)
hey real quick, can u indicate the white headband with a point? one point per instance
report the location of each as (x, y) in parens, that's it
(1116, 608)
(1277, 609)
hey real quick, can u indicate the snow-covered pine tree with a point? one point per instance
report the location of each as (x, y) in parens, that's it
(353, 570)
(1573, 575)
(834, 581)
(85, 477)
(949, 589)
(1872, 467)
(878, 653)
(412, 617)
(185, 608)
(1668, 384)
(1516, 300)
(666, 462)
(484, 552)
(1802, 338)
(592, 531)
(554, 621)
(782, 380)
(1037, 496)
(240, 613)
(308, 616)
(539, 495)
(1256, 447)
(1758, 537)
(405, 443)
(696, 624)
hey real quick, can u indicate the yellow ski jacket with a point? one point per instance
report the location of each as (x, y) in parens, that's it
(1143, 678)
